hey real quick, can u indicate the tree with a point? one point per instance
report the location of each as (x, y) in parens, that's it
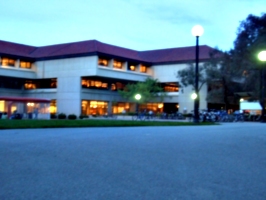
(187, 76)
(150, 90)
(222, 78)
(251, 39)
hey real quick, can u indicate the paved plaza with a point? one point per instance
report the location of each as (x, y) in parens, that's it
(165, 163)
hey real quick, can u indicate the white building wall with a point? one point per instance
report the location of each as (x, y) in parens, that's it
(80, 66)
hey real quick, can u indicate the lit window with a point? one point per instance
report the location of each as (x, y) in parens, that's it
(53, 83)
(104, 85)
(8, 62)
(24, 64)
(143, 69)
(30, 85)
(94, 84)
(98, 83)
(98, 107)
(132, 67)
(171, 87)
(53, 107)
(113, 86)
(117, 64)
(84, 83)
(103, 62)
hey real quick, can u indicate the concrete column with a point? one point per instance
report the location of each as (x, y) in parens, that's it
(111, 63)
(17, 63)
(125, 66)
(68, 95)
(110, 104)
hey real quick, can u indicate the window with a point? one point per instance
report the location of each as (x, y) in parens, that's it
(171, 87)
(117, 64)
(103, 62)
(29, 85)
(132, 66)
(117, 86)
(53, 83)
(143, 69)
(119, 107)
(53, 107)
(94, 84)
(94, 107)
(24, 64)
(8, 62)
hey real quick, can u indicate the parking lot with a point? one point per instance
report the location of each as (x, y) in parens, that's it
(225, 161)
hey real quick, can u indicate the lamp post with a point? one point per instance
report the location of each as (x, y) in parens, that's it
(262, 57)
(137, 97)
(197, 31)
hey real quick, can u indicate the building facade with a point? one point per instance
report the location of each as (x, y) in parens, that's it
(84, 77)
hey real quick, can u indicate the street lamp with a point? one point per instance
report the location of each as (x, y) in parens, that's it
(197, 31)
(262, 57)
(193, 96)
(137, 97)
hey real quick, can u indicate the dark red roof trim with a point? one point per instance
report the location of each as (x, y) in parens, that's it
(92, 47)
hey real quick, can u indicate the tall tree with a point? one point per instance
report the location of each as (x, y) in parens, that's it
(187, 76)
(150, 90)
(222, 78)
(251, 39)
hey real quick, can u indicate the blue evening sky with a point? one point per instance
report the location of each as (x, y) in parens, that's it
(134, 24)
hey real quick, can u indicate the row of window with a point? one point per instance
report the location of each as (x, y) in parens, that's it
(9, 62)
(40, 84)
(17, 83)
(114, 86)
(97, 84)
(101, 107)
(119, 65)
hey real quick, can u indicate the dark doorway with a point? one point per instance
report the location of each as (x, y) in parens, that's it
(170, 107)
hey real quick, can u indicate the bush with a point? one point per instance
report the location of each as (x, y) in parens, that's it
(53, 116)
(82, 116)
(72, 116)
(62, 116)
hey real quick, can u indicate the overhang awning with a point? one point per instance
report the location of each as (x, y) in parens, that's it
(24, 99)
(250, 106)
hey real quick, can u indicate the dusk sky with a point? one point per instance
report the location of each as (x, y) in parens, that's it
(133, 24)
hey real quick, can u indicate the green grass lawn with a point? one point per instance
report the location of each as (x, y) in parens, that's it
(17, 124)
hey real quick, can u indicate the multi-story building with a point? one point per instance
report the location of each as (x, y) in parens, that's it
(83, 77)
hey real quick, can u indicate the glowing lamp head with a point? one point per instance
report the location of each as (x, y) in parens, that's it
(137, 96)
(262, 56)
(197, 31)
(194, 96)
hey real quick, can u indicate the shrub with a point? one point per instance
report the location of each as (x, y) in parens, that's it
(72, 116)
(53, 116)
(62, 116)
(82, 116)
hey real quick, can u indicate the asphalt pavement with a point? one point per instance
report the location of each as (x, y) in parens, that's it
(165, 163)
